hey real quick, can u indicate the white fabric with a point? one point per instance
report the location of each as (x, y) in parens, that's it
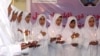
(42, 50)
(66, 34)
(98, 37)
(6, 39)
(89, 34)
(53, 31)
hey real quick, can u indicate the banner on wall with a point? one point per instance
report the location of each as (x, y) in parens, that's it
(78, 8)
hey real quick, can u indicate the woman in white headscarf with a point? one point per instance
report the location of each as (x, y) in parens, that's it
(7, 45)
(90, 37)
(39, 34)
(27, 24)
(54, 32)
(19, 27)
(98, 37)
(72, 37)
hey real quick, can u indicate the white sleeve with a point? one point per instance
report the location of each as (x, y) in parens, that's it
(85, 40)
(9, 50)
(14, 48)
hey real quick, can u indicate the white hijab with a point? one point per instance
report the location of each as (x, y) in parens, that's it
(54, 30)
(67, 32)
(17, 18)
(69, 21)
(14, 9)
(86, 25)
(37, 24)
(5, 30)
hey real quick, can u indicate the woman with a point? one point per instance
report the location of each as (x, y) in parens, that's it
(26, 25)
(39, 34)
(54, 32)
(90, 39)
(72, 37)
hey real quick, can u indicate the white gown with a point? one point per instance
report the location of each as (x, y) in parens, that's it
(89, 34)
(70, 50)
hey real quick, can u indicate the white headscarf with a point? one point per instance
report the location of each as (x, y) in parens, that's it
(88, 28)
(69, 21)
(18, 16)
(54, 30)
(37, 21)
(86, 25)
(4, 22)
(14, 9)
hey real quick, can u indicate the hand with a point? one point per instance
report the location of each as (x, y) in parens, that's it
(34, 44)
(94, 43)
(59, 38)
(53, 39)
(24, 46)
(43, 33)
(73, 36)
(27, 32)
(60, 42)
(75, 44)
(77, 34)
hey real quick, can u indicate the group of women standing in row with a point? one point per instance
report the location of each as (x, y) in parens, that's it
(56, 40)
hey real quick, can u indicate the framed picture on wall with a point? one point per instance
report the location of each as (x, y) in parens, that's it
(90, 3)
(20, 4)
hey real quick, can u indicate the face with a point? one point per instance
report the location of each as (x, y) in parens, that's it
(20, 17)
(59, 20)
(15, 16)
(28, 17)
(91, 22)
(72, 24)
(42, 20)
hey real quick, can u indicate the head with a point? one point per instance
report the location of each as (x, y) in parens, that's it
(20, 16)
(91, 22)
(28, 17)
(42, 20)
(59, 20)
(72, 24)
(14, 15)
(9, 10)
